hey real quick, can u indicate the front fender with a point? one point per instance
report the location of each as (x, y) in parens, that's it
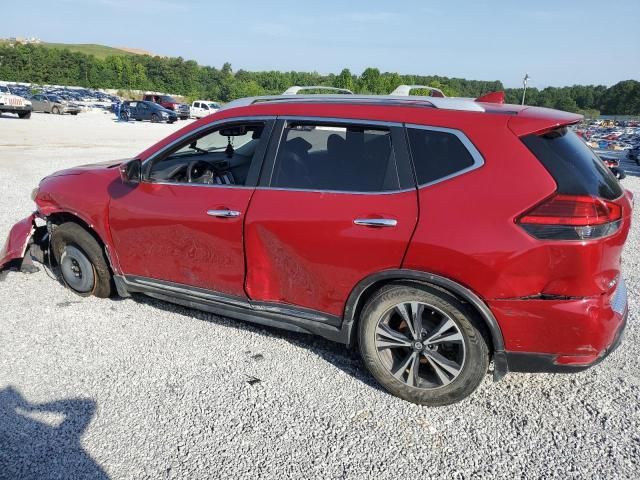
(16, 245)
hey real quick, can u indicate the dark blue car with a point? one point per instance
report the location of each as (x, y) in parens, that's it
(143, 110)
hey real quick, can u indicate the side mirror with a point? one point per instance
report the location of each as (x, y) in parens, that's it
(131, 171)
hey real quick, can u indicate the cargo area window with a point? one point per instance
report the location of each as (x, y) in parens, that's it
(573, 165)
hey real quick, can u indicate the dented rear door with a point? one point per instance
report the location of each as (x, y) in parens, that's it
(339, 206)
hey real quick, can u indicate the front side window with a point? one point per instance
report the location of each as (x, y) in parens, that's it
(222, 156)
(438, 153)
(348, 158)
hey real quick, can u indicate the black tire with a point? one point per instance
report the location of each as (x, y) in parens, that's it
(71, 236)
(24, 115)
(381, 361)
(74, 113)
(155, 118)
(55, 111)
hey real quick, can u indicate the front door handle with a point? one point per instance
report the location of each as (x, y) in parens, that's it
(376, 222)
(226, 213)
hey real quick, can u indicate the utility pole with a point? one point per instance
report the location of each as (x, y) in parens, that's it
(524, 84)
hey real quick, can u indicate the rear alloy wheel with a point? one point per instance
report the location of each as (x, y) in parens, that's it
(82, 261)
(55, 111)
(422, 345)
(155, 118)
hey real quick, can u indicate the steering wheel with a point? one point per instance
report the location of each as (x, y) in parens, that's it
(192, 170)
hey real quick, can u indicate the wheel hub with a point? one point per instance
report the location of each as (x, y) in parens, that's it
(77, 270)
(420, 345)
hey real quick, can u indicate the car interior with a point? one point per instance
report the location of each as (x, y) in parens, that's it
(221, 157)
(339, 158)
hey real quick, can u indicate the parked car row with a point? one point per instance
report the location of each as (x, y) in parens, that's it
(76, 95)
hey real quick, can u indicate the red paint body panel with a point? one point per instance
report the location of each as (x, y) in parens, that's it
(84, 192)
(16, 243)
(584, 327)
(163, 232)
(486, 251)
(304, 249)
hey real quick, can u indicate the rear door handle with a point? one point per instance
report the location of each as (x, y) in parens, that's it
(376, 222)
(226, 213)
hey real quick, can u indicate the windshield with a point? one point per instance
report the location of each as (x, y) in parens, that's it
(4, 89)
(214, 105)
(54, 98)
(167, 98)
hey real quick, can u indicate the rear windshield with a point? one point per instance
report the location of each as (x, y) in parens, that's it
(574, 166)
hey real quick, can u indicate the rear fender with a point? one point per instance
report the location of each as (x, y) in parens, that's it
(17, 242)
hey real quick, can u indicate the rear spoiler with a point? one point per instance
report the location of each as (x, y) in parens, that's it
(491, 97)
(538, 120)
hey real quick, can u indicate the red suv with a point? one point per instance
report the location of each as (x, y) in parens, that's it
(436, 234)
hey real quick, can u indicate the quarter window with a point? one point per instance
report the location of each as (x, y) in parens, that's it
(438, 154)
(337, 157)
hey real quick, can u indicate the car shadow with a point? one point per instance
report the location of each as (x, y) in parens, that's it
(346, 359)
(42, 440)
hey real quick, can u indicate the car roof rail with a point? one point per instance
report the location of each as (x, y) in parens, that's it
(405, 90)
(446, 103)
(295, 89)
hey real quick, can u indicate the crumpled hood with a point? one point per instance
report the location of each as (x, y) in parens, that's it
(91, 167)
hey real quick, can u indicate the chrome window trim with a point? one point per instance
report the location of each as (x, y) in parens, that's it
(478, 159)
(373, 123)
(341, 192)
(334, 120)
(208, 126)
(186, 184)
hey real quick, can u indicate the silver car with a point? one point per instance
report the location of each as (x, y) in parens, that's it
(53, 104)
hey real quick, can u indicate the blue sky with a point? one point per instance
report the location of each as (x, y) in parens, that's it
(556, 42)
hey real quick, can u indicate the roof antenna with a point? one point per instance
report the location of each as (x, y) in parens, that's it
(524, 84)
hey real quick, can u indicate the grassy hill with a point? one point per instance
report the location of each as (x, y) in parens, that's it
(98, 51)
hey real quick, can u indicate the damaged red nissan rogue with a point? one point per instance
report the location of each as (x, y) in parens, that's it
(436, 234)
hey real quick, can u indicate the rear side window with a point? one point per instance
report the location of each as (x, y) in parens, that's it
(438, 153)
(573, 165)
(336, 157)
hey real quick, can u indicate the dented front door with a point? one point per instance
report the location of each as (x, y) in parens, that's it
(182, 233)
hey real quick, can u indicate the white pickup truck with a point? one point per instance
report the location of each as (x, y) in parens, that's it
(202, 108)
(10, 103)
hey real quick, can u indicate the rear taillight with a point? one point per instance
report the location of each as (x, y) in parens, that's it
(572, 217)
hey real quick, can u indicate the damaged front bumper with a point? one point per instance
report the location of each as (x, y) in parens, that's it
(26, 241)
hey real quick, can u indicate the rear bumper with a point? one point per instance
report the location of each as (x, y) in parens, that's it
(548, 363)
(561, 335)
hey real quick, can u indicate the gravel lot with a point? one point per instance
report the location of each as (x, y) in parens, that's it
(139, 388)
